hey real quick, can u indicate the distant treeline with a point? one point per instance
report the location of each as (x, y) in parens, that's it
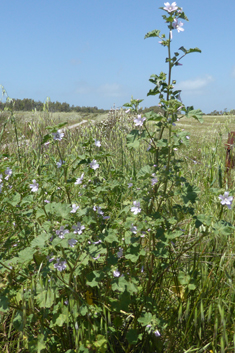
(27, 104)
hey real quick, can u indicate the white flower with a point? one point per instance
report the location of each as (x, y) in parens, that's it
(0, 178)
(8, 173)
(178, 25)
(136, 208)
(226, 200)
(127, 111)
(72, 242)
(60, 265)
(116, 273)
(34, 186)
(79, 180)
(170, 35)
(139, 121)
(61, 232)
(58, 135)
(97, 143)
(120, 253)
(94, 165)
(187, 137)
(133, 229)
(170, 8)
(78, 228)
(59, 164)
(74, 208)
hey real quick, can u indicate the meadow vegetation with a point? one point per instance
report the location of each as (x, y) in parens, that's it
(117, 235)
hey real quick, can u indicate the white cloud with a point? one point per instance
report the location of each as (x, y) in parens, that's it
(111, 90)
(195, 85)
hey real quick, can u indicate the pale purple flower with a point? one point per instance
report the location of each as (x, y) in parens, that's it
(0, 178)
(78, 228)
(116, 273)
(106, 217)
(50, 258)
(157, 333)
(61, 232)
(133, 229)
(79, 180)
(127, 111)
(130, 185)
(94, 165)
(136, 208)
(187, 137)
(97, 242)
(154, 181)
(72, 242)
(120, 252)
(59, 164)
(139, 121)
(8, 173)
(34, 186)
(97, 143)
(1, 185)
(74, 208)
(170, 8)
(96, 258)
(47, 201)
(60, 265)
(58, 135)
(98, 210)
(226, 199)
(178, 25)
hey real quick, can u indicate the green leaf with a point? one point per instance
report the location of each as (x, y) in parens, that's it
(191, 50)
(4, 304)
(132, 139)
(154, 33)
(25, 255)
(59, 209)
(37, 345)
(111, 237)
(27, 199)
(145, 319)
(61, 320)
(196, 114)
(46, 138)
(14, 200)
(45, 299)
(40, 240)
(203, 219)
(132, 336)
(144, 172)
(152, 116)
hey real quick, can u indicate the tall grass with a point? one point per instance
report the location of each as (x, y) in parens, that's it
(175, 295)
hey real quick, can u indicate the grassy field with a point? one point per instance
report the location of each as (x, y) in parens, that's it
(106, 250)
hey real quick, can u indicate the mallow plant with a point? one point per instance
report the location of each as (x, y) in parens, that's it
(91, 263)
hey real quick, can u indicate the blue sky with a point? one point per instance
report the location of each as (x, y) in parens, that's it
(93, 52)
